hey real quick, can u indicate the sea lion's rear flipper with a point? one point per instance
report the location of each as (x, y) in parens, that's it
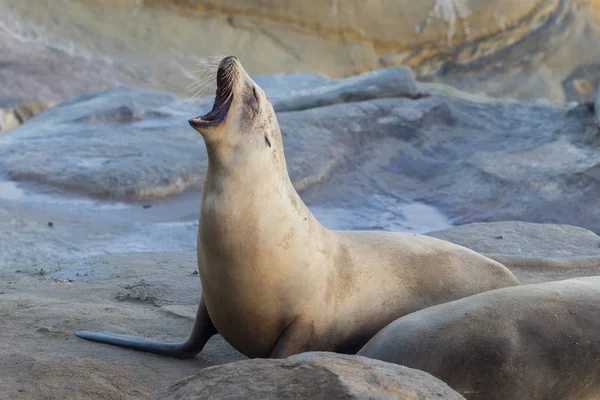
(202, 331)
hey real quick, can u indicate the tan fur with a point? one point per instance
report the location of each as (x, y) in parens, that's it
(276, 282)
(530, 342)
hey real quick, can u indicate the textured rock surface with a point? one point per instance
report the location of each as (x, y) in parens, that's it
(524, 239)
(597, 108)
(145, 294)
(521, 48)
(472, 158)
(137, 144)
(559, 243)
(15, 112)
(155, 295)
(318, 376)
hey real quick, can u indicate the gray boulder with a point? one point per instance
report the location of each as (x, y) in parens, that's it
(397, 81)
(524, 239)
(316, 376)
(548, 252)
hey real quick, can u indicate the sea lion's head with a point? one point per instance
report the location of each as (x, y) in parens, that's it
(242, 119)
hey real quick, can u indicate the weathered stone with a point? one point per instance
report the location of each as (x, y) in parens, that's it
(580, 85)
(155, 295)
(379, 84)
(597, 109)
(517, 48)
(519, 238)
(43, 305)
(472, 158)
(318, 376)
(15, 112)
(559, 251)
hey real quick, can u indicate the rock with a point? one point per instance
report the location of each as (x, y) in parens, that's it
(156, 295)
(474, 161)
(8, 119)
(40, 356)
(109, 139)
(581, 83)
(15, 112)
(384, 83)
(471, 158)
(597, 108)
(517, 48)
(326, 376)
(562, 243)
(136, 117)
(37, 65)
(491, 46)
(291, 81)
(524, 239)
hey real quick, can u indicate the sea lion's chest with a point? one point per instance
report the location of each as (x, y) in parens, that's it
(244, 279)
(258, 266)
(245, 307)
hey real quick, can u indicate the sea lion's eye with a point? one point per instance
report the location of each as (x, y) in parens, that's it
(255, 95)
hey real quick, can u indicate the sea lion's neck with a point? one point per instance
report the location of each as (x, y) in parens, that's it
(245, 211)
(237, 168)
(256, 179)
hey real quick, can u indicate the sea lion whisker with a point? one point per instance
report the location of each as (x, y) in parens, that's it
(202, 88)
(208, 82)
(200, 85)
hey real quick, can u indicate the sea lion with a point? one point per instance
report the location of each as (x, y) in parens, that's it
(528, 342)
(275, 282)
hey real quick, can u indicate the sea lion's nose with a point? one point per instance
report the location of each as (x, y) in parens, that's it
(228, 59)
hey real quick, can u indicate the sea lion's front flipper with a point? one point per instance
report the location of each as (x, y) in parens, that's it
(202, 331)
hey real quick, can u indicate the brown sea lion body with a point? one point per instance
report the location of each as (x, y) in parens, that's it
(529, 342)
(275, 282)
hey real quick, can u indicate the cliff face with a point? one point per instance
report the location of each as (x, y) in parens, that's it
(517, 48)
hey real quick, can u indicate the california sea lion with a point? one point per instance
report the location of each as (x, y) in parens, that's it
(275, 282)
(528, 342)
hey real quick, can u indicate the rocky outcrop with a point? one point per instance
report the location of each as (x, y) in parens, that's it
(581, 83)
(597, 108)
(43, 305)
(533, 250)
(15, 112)
(318, 376)
(472, 158)
(155, 295)
(517, 48)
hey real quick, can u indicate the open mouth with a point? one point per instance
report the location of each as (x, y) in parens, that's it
(223, 97)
